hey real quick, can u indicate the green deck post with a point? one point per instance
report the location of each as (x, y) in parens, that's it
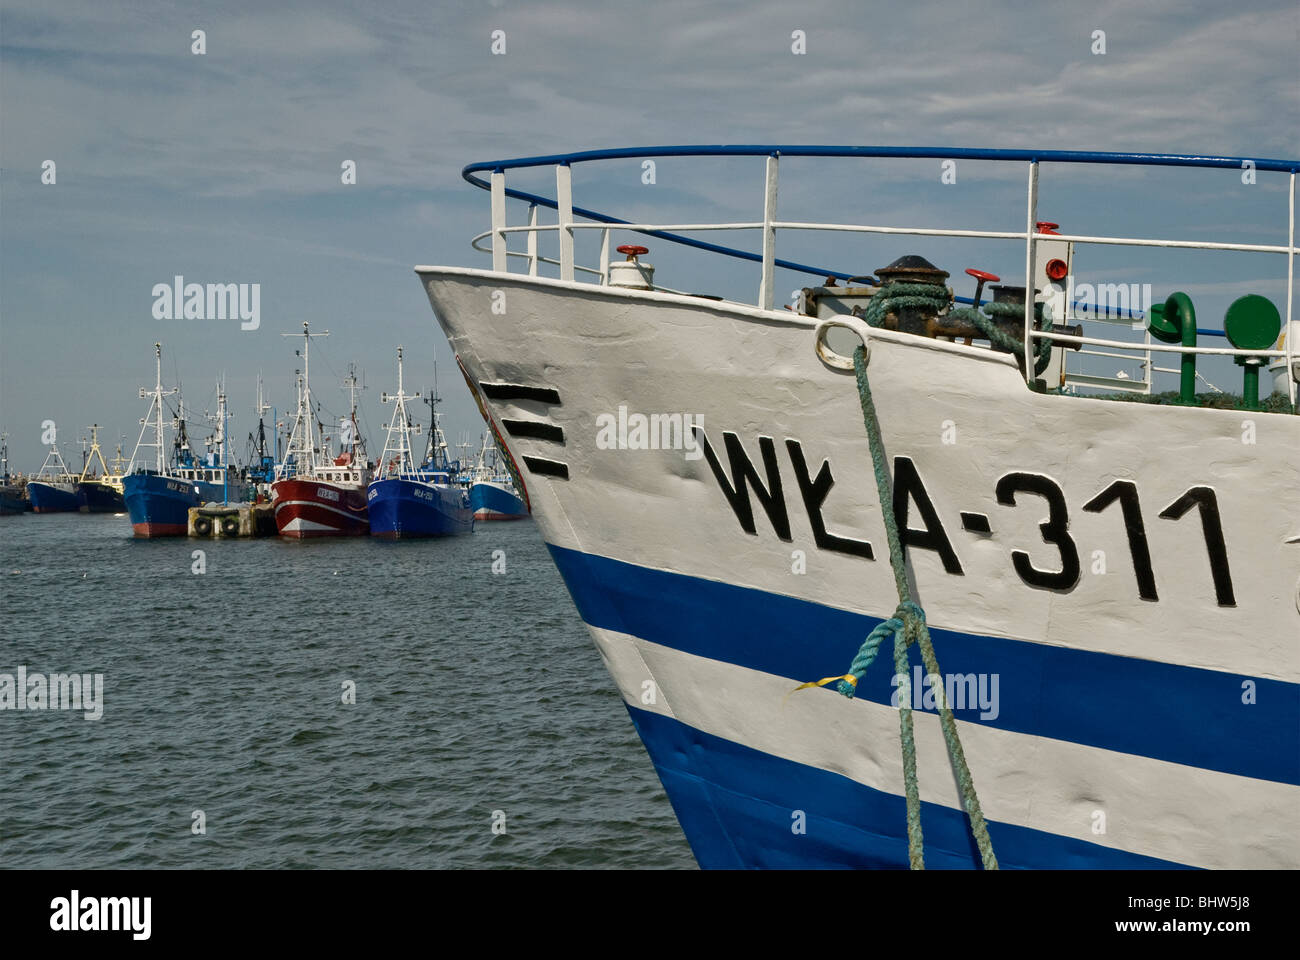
(1251, 323)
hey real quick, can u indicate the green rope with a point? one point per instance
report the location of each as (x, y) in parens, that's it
(934, 298)
(908, 626)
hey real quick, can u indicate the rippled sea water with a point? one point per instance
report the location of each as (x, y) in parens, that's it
(475, 693)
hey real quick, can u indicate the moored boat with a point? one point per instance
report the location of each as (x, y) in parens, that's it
(13, 500)
(53, 489)
(101, 492)
(407, 501)
(158, 498)
(493, 494)
(316, 494)
(773, 486)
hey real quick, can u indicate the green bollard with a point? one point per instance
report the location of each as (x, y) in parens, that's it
(1174, 321)
(1251, 323)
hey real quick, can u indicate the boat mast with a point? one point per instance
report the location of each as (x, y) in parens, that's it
(58, 459)
(184, 453)
(223, 458)
(401, 426)
(355, 440)
(118, 462)
(95, 452)
(262, 408)
(435, 453)
(155, 415)
(302, 438)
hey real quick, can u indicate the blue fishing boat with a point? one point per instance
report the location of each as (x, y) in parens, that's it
(54, 488)
(493, 494)
(158, 499)
(410, 501)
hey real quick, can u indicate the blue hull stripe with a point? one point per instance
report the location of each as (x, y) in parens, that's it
(736, 806)
(1165, 711)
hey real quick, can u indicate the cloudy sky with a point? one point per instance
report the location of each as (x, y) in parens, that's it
(225, 167)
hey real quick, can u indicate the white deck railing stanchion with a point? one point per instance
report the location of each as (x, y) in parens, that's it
(564, 201)
(1287, 333)
(604, 257)
(1031, 216)
(766, 294)
(498, 222)
(532, 240)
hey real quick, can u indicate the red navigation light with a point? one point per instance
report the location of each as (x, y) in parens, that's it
(1056, 269)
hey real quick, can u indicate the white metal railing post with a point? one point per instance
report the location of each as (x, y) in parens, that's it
(604, 257)
(564, 205)
(1149, 368)
(1031, 216)
(498, 221)
(766, 294)
(532, 240)
(1287, 333)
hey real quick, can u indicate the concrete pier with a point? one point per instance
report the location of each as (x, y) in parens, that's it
(232, 520)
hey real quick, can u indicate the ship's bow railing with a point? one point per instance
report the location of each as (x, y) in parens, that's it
(570, 219)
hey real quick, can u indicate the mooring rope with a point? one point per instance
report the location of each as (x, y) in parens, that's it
(907, 626)
(934, 298)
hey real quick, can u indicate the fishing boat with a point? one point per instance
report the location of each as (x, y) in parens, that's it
(100, 492)
(317, 494)
(754, 504)
(493, 494)
(261, 457)
(406, 500)
(54, 488)
(158, 498)
(12, 497)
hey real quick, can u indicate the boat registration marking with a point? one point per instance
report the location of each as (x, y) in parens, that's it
(909, 491)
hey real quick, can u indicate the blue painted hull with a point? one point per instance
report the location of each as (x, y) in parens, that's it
(93, 497)
(48, 498)
(402, 508)
(735, 801)
(734, 804)
(491, 502)
(159, 506)
(12, 501)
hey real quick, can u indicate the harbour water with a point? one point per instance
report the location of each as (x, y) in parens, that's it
(479, 701)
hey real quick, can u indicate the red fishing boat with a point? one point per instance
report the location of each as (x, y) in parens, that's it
(314, 494)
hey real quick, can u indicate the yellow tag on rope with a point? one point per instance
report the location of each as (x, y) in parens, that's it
(819, 683)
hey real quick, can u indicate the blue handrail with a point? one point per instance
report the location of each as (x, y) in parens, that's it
(945, 153)
(809, 150)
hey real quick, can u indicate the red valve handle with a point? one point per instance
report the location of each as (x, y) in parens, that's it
(1045, 226)
(632, 250)
(983, 275)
